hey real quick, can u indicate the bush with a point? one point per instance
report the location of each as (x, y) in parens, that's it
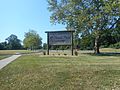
(65, 54)
(76, 53)
(44, 53)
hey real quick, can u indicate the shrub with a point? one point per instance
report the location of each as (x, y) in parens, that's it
(65, 54)
(44, 53)
(76, 53)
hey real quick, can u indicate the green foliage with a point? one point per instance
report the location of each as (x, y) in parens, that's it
(32, 40)
(116, 45)
(13, 42)
(3, 45)
(87, 42)
(44, 46)
(86, 16)
(84, 41)
(116, 32)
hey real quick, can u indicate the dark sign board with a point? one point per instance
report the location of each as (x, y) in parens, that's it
(60, 38)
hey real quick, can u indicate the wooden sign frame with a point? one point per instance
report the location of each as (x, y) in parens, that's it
(67, 34)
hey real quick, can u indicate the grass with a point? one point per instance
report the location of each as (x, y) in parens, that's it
(55, 52)
(85, 72)
(7, 53)
(3, 56)
(10, 52)
(111, 50)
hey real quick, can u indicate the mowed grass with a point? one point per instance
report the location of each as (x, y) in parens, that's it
(11, 52)
(110, 50)
(8, 53)
(3, 56)
(84, 72)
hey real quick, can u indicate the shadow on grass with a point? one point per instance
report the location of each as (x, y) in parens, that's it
(104, 54)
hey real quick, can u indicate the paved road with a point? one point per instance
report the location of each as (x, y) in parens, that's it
(8, 60)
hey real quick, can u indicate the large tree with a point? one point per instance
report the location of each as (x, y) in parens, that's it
(13, 42)
(86, 16)
(3, 46)
(32, 40)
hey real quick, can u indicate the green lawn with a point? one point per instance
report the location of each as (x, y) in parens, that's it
(10, 52)
(85, 72)
(3, 56)
(61, 52)
(110, 50)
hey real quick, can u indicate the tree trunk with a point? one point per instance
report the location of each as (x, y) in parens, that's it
(97, 45)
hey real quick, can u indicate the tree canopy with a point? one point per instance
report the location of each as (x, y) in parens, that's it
(13, 42)
(94, 17)
(32, 40)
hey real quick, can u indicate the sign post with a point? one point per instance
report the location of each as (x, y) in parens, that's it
(72, 44)
(48, 44)
(59, 38)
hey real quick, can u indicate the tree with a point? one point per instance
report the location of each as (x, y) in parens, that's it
(87, 42)
(32, 40)
(93, 16)
(116, 32)
(13, 42)
(3, 46)
(44, 46)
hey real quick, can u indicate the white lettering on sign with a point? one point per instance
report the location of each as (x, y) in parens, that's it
(60, 38)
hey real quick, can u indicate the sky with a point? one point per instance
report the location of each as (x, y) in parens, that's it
(20, 16)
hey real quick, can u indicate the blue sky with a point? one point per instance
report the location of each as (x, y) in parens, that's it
(19, 16)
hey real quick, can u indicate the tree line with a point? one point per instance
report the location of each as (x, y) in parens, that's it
(31, 41)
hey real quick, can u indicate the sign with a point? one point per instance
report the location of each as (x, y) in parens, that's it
(60, 38)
